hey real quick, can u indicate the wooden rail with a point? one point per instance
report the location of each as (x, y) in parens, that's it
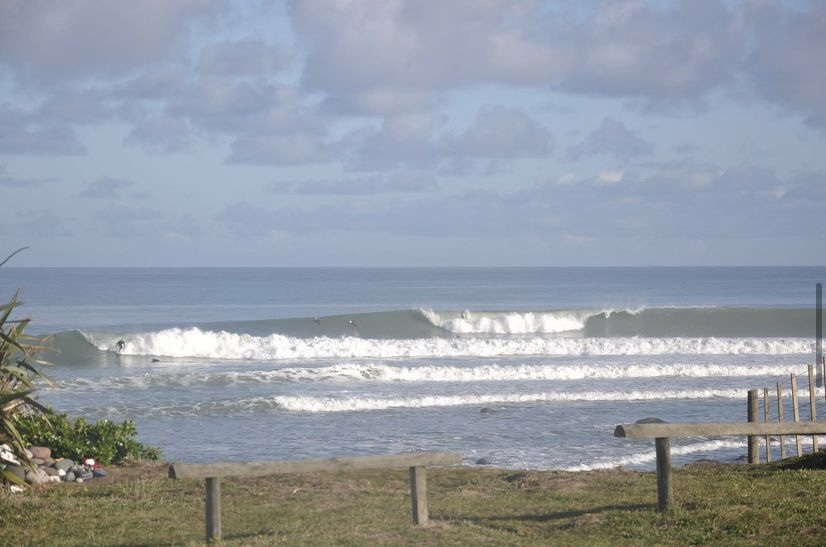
(415, 461)
(663, 432)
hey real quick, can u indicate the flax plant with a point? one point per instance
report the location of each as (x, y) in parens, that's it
(19, 369)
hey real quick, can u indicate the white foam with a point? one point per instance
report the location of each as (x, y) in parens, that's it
(648, 456)
(194, 342)
(472, 322)
(353, 404)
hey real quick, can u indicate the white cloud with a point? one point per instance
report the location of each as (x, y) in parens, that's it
(610, 176)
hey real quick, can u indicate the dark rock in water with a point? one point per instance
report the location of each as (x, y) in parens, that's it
(40, 452)
(483, 461)
(156, 360)
(651, 421)
(487, 410)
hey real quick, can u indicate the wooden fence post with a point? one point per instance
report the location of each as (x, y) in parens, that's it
(796, 412)
(418, 493)
(780, 419)
(213, 508)
(665, 493)
(812, 407)
(766, 419)
(754, 444)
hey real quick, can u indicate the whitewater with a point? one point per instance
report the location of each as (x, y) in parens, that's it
(527, 368)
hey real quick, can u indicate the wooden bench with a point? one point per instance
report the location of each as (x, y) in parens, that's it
(663, 432)
(416, 461)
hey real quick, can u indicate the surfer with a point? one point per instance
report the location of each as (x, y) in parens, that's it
(317, 320)
(119, 346)
(352, 323)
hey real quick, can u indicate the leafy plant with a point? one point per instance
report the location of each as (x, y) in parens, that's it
(18, 372)
(103, 440)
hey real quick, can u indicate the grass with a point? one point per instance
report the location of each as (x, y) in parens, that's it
(715, 505)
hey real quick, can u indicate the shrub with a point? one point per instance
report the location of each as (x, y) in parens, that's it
(18, 373)
(104, 440)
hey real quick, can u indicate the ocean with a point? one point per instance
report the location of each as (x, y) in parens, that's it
(524, 368)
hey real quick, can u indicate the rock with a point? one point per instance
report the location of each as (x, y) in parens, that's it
(36, 476)
(651, 420)
(69, 477)
(7, 455)
(48, 462)
(37, 461)
(64, 464)
(483, 461)
(487, 410)
(29, 454)
(40, 452)
(18, 470)
(78, 480)
(51, 471)
(54, 478)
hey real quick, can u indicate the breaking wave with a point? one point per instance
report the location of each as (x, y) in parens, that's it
(196, 343)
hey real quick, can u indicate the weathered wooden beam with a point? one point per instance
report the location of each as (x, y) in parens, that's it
(665, 492)
(264, 468)
(418, 493)
(213, 509)
(212, 472)
(655, 430)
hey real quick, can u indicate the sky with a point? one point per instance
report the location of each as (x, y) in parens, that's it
(412, 133)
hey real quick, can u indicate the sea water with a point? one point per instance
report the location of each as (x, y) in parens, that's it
(527, 368)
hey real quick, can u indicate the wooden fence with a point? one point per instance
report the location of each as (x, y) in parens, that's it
(416, 462)
(754, 429)
(775, 406)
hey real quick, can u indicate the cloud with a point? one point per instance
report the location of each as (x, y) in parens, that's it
(611, 138)
(785, 65)
(128, 221)
(22, 183)
(25, 133)
(34, 223)
(162, 134)
(248, 57)
(407, 51)
(661, 53)
(414, 140)
(106, 188)
(47, 42)
(400, 182)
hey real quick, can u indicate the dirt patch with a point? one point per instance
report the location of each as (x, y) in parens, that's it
(130, 472)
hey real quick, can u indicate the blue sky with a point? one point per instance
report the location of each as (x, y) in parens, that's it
(412, 133)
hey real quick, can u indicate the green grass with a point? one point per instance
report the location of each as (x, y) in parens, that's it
(715, 505)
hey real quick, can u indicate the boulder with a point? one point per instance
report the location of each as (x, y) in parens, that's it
(36, 476)
(18, 470)
(40, 452)
(65, 464)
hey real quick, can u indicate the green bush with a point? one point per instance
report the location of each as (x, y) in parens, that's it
(76, 439)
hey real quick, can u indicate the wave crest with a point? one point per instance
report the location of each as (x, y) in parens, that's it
(196, 343)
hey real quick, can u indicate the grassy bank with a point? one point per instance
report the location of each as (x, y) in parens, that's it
(716, 504)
